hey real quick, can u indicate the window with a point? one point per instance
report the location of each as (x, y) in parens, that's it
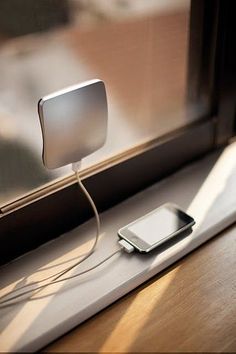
(160, 63)
(139, 48)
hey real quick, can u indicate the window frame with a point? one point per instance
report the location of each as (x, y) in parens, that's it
(60, 206)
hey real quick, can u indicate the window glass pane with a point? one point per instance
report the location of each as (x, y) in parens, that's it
(138, 47)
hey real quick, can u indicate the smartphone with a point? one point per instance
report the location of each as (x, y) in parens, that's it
(156, 227)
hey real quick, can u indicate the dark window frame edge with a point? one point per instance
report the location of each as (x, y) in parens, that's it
(70, 179)
(225, 84)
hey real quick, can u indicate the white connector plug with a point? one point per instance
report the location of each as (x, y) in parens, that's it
(126, 246)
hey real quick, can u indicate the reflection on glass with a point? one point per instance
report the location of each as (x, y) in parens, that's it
(138, 47)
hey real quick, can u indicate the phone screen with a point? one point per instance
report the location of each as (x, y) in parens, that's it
(155, 227)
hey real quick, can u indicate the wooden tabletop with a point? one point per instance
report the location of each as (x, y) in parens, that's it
(189, 307)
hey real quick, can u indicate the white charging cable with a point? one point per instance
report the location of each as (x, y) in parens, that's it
(76, 167)
(6, 300)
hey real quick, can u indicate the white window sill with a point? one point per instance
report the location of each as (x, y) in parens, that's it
(205, 189)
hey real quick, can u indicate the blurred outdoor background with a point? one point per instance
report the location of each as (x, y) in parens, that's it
(139, 48)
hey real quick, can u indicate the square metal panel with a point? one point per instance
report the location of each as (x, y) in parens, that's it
(73, 122)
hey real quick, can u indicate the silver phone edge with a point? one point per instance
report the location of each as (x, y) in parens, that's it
(188, 226)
